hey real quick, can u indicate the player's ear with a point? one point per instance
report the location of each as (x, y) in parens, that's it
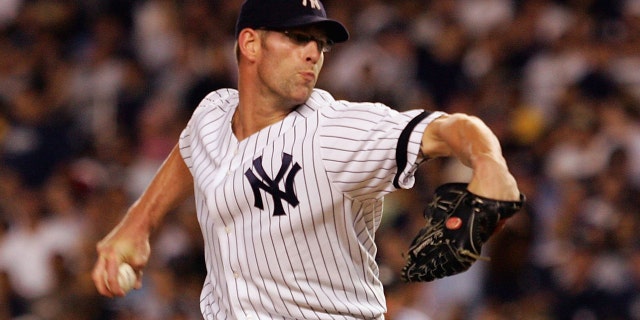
(249, 43)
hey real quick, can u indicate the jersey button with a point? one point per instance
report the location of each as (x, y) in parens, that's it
(227, 229)
(236, 275)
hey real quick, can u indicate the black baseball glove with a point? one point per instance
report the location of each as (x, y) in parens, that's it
(458, 223)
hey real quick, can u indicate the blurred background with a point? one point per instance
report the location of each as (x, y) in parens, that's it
(94, 94)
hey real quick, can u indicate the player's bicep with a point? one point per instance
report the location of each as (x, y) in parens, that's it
(464, 136)
(433, 145)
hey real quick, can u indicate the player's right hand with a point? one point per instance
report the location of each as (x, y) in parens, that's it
(119, 246)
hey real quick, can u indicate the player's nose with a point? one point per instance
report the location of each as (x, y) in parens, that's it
(313, 52)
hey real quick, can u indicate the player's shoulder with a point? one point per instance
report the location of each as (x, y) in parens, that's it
(221, 98)
(343, 107)
(318, 100)
(321, 98)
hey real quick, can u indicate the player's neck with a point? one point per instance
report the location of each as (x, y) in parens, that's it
(257, 111)
(248, 119)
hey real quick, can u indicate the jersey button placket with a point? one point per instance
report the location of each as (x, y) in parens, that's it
(234, 162)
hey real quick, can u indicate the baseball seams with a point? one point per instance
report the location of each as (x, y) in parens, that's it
(126, 278)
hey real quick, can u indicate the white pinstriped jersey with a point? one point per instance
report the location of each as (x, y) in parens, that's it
(289, 214)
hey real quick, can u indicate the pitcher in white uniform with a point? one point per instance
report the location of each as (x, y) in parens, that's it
(289, 182)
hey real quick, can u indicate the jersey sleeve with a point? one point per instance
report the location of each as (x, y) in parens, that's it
(370, 149)
(185, 143)
(210, 110)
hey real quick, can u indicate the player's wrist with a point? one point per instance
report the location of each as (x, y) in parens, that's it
(488, 161)
(491, 178)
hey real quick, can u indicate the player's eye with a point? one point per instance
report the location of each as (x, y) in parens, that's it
(299, 38)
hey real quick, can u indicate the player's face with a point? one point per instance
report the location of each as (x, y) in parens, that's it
(291, 63)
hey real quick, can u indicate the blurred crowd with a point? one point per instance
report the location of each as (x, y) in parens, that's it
(94, 94)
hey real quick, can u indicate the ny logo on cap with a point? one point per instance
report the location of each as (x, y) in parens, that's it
(315, 4)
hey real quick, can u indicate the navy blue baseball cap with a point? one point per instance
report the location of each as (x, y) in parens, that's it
(285, 14)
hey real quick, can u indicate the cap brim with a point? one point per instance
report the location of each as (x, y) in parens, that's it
(335, 31)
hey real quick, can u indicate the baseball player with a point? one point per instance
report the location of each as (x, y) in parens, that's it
(289, 182)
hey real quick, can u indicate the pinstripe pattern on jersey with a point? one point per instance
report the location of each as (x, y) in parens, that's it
(360, 147)
(317, 261)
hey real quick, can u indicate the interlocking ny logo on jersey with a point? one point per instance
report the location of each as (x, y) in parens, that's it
(315, 4)
(271, 186)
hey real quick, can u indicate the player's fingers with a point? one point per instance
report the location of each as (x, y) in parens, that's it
(111, 276)
(98, 276)
(110, 264)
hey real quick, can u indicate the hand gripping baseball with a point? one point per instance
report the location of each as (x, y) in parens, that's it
(458, 223)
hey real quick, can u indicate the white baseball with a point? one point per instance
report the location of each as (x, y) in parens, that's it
(126, 277)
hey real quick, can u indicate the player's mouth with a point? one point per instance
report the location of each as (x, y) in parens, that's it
(308, 76)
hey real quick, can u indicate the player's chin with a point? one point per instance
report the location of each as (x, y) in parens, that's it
(302, 94)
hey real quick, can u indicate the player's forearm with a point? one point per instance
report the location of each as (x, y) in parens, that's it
(463, 136)
(471, 141)
(475, 145)
(483, 153)
(171, 185)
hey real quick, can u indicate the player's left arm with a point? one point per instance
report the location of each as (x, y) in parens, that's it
(471, 141)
